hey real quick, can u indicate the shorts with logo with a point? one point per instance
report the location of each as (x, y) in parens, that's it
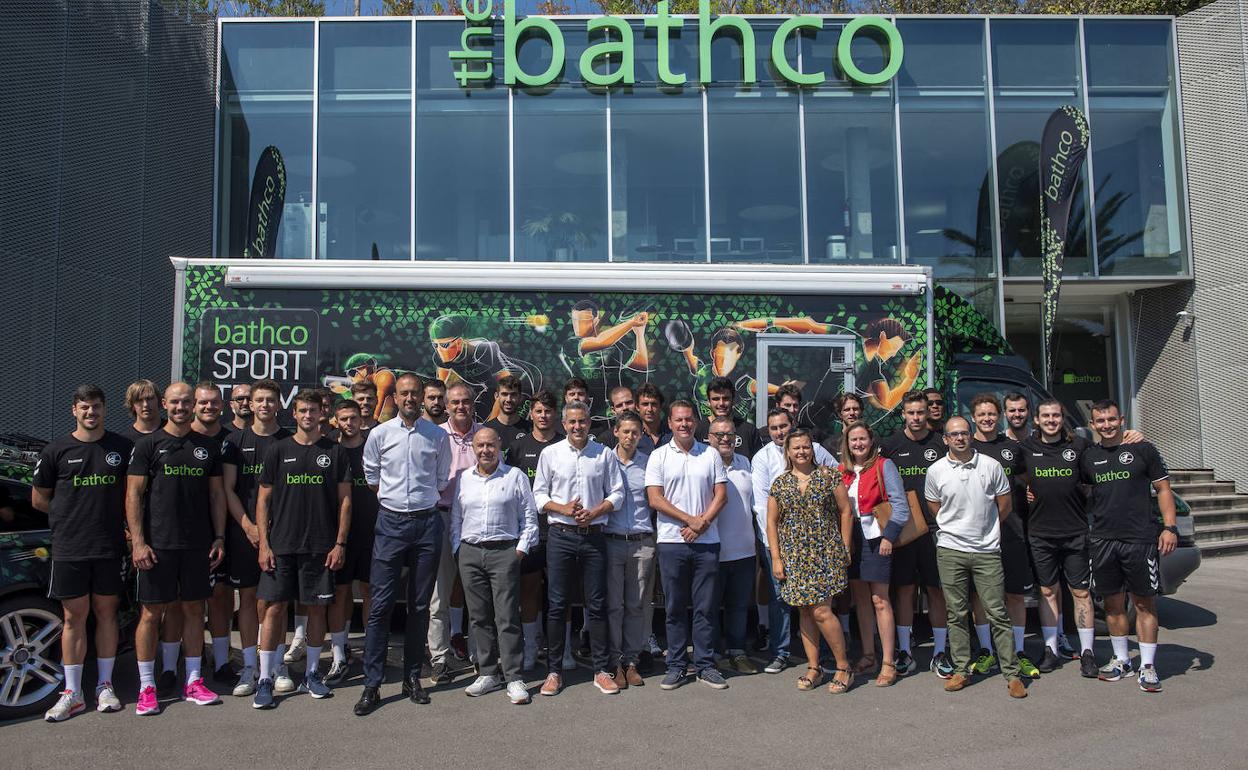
(1118, 565)
(1016, 562)
(357, 563)
(298, 577)
(535, 559)
(220, 575)
(242, 557)
(177, 575)
(915, 563)
(72, 579)
(1057, 557)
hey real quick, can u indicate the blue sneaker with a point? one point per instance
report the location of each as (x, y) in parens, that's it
(675, 678)
(712, 678)
(1115, 670)
(941, 665)
(264, 695)
(313, 685)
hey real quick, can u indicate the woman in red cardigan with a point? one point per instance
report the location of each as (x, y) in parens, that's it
(871, 480)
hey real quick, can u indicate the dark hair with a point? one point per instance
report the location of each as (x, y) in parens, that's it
(586, 304)
(364, 386)
(913, 396)
(650, 390)
(620, 389)
(682, 403)
(347, 403)
(88, 393)
(435, 383)
(933, 392)
(1014, 395)
(575, 382)
(839, 402)
(268, 385)
(310, 396)
(509, 382)
(985, 398)
(727, 337)
(721, 385)
(546, 399)
(1060, 407)
(628, 415)
(410, 376)
(789, 389)
(847, 459)
(1104, 405)
(776, 411)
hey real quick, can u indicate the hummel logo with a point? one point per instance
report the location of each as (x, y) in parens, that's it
(161, 451)
(72, 462)
(324, 596)
(1099, 462)
(248, 449)
(290, 459)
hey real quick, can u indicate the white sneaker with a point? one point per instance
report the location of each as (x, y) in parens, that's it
(246, 684)
(569, 660)
(69, 704)
(517, 692)
(282, 683)
(106, 699)
(297, 651)
(482, 685)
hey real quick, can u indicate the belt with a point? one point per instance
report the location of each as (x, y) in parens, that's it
(631, 538)
(411, 514)
(494, 545)
(574, 530)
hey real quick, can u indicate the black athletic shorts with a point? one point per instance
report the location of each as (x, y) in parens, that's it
(176, 576)
(915, 564)
(72, 579)
(243, 559)
(1058, 557)
(298, 577)
(357, 563)
(220, 576)
(1016, 563)
(534, 560)
(1119, 565)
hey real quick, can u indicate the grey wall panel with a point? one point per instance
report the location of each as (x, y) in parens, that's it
(1167, 407)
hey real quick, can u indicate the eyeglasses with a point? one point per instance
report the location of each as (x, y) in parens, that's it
(445, 345)
(957, 433)
(931, 402)
(722, 436)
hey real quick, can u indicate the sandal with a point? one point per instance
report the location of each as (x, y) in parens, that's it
(836, 686)
(865, 664)
(887, 679)
(806, 683)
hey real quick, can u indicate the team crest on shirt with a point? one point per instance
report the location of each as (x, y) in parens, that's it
(930, 455)
(1068, 455)
(1125, 458)
(201, 453)
(1007, 455)
(322, 461)
(113, 459)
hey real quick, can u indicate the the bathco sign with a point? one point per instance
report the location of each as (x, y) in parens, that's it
(473, 65)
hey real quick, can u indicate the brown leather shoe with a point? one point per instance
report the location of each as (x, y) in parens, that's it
(605, 683)
(621, 679)
(633, 677)
(1016, 687)
(956, 682)
(553, 684)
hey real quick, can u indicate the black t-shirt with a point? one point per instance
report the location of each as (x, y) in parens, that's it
(177, 513)
(1060, 507)
(1010, 454)
(364, 505)
(245, 450)
(303, 506)
(1121, 506)
(88, 479)
(912, 459)
(132, 435)
(507, 434)
(524, 451)
(747, 435)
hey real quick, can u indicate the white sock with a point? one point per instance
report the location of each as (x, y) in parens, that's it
(301, 627)
(104, 667)
(269, 660)
(844, 623)
(1050, 637)
(457, 620)
(73, 677)
(530, 637)
(1019, 633)
(903, 638)
(1087, 637)
(249, 657)
(147, 674)
(1148, 653)
(338, 640)
(220, 651)
(940, 637)
(984, 633)
(192, 668)
(314, 659)
(764, 616)
(1121, 650)
(169, 655)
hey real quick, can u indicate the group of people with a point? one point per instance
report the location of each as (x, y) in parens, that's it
(483, 515)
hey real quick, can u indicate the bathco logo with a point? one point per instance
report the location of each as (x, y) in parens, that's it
(612, 61)
(242, 345)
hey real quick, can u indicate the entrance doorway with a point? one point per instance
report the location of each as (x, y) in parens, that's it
(1084, 351)
(822, 364)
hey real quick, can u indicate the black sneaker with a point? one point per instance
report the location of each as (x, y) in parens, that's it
(1048, 662)
(1064, 650)
(1087, 665)
(167, 684)
(761, 639)
(225, 674)
(905, 662)
(440, 673)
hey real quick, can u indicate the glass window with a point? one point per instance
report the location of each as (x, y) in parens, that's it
(658, 198)
(754, 157)
(462, 207)
(1036, 70)
(364, 141)
(1135, 148)
(266, 99)
(946, 156)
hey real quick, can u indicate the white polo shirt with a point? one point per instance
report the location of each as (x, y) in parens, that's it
(688, 481)
(735, 521)
(967, 493)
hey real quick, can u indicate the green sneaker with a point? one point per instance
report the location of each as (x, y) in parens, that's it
(985, 663)
(1027, 668)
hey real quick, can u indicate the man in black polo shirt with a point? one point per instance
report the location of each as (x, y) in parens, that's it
(509, 425)
(622, 399)
(721, 395)
(303, 512)
(1017, 412)
(80, 483)
(1126, 544)
(208, 410)
(935, 409)
(913, 450)
(175, 512)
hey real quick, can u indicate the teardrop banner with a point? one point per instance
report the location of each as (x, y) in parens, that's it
(264, 211)
(1063, 148)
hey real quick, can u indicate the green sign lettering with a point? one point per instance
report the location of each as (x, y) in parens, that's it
(777, 51)
(707, 30)
(533, 26)
(623, 48)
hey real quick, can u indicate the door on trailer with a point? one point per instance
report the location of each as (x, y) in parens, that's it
(823, 365)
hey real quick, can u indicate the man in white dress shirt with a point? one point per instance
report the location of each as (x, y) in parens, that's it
(493, 525)
(578, 484)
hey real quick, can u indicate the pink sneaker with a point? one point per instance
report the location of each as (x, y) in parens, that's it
(148, 703)
(200, 695)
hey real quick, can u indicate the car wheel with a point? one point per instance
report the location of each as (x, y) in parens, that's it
(30, 655)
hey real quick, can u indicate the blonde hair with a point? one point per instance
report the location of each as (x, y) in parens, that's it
(137, 390)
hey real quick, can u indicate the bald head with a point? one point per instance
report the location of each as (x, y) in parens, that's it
(487, 446)
(179, 403)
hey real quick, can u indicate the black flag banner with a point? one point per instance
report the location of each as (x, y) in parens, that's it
(264, 211)
(1062, 150)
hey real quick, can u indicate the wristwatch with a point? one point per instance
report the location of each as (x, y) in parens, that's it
(340, 545)
(1172, 529)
